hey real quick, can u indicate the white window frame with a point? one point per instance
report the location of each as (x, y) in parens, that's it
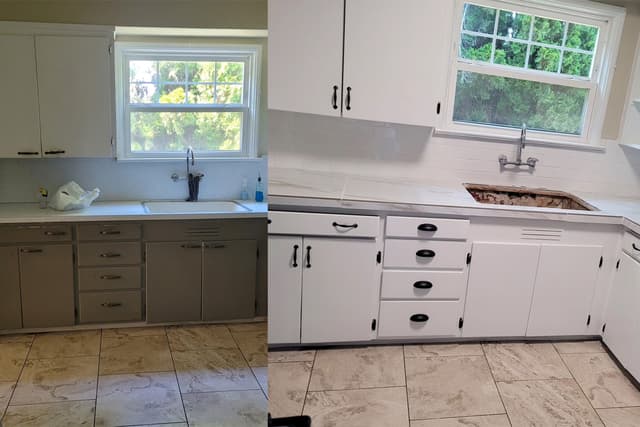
(248, 53)
(609, 20)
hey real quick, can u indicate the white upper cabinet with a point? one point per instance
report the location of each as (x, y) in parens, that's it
(305, 55)
(363, 59)
(75, 93)
(19, 105)
(396, 60)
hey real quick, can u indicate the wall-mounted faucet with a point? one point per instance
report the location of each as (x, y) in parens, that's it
(193, 179)
(522, 142)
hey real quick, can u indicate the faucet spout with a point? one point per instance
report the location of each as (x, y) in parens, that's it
(523, 142)
(531, 161)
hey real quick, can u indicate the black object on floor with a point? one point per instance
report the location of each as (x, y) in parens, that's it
(303, 421)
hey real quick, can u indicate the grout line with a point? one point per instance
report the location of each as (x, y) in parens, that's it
(95, 406)
(495, 383)
(175, 373)
(52, 403)
(306, 393)
(233, 337)
(15, 386)
(456, 417)
(406, 383)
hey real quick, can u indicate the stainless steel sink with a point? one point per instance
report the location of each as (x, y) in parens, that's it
(178, 207)
(523, 196)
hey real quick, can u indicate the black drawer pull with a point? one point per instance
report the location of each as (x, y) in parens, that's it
(31, 251)
(633, 245)
(28, 153)
(109, 232)
(337, 225)
(348, 101)
(55, 233)
(55, 152)
(219, 246)
(423, 284)
(111, 304)
(187, 246)
(425, 253)
(295, 255)
(427, 227)
(110, 277)
(308, 256)
(420, 318)
(110, 255)
(334, 98)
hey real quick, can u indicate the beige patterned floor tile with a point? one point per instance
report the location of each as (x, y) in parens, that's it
(482, 421)
(134, 354)
(288, 386)
(291, 356)
(521, 361)
(253, 346)
(60, 414)
(547, 403)
(138, 399)
(6, 388)
(579, 347)
(620, 417)
(134, 332)
(430, 350)
(352, 368)
(603, 383)
(358, 408)
(56, 380)
(12, 357)
(248, 327)
(65, 344)
(16, 338)
(213, 370)
(226, 409)
(185, 338)
(452, 386)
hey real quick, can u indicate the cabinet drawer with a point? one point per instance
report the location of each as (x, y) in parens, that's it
(35, 233)
(397, 284)
(123, 306)
(427, 228)
(419, 318)
(629, 245)
(108, 278)
(125, 253)
(99, 232)
(310, 224)
(424, 254)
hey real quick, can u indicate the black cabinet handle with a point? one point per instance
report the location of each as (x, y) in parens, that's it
(335, 224)
(54, 233)
(425, 253)
(334, 98)
(187, 246)
(28, 153)
(55, 152)
(633, 245)
(109, 232)
(420, 318)
(110, 255)
(423, 284)
(215, 246)
(427, 227)
(308, 256)
(110, 277)
(295, 255)
(348, 100)
(31, 251)
(111, 304)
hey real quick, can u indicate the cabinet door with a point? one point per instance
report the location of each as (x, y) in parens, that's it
(565, 283)
(622, 315)
(10, 305)
(174, 281)
(500, 288)
(46, 279)
(305, 55)
(229, 280)
(75, 86)
(19, 109)
(339, 289)
(285, 289)
(396, 58)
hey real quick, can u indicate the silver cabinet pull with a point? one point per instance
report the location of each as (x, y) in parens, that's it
(110, 255)
(55, 233)
(110, 232)
(31, 251)
(111, 304)
(110, 277)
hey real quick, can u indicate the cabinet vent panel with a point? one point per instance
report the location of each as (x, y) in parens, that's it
(548, 234)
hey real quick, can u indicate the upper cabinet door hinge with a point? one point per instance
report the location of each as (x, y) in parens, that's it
(374, 323)
(468, 258)
(601, 261)
(618, 264)
(460, 323)
(379, 257)
(110, 49)
(588, 320)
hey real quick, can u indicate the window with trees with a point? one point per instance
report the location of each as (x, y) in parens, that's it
(539, 65)
(174, 98)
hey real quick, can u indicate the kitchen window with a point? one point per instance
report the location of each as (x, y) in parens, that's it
(544, 65)
(172, 98)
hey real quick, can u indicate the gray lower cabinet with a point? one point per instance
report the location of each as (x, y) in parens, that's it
(46, 279)
(10, 305)
(174, 279)
(229, 280)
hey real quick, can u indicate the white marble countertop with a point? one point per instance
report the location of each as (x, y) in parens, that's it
(12, 213)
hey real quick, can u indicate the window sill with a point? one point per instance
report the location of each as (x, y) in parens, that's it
(537, 142)
(183, 158)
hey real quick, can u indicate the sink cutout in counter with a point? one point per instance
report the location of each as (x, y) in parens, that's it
(523, 196)
(176, 207)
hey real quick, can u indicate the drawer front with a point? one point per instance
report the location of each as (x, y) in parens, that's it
(109, 278)
(101, 232)
(425, 254)
(123, 306)
(427, 228)
(97, 254)
(35, 233)
(397, 284)
(629, 245)
(311, 224)
(419, 318)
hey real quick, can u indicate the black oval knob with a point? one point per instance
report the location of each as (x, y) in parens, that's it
(421, 318)
(423, 284)
(427, 227)
(425, 253)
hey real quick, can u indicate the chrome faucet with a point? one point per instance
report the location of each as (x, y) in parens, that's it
(193, 179)
(531, 161)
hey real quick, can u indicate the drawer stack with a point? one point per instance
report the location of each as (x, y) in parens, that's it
(424, 277)
(109, 273)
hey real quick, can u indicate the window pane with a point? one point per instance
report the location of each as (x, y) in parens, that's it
(549, 31)
(509, 102)
(514, 25)
(544, 59)
(172, 94)
(479, 19)
(201, 94)
(143, 71)
(576, 64)
(476, 47)
(510, 53)
(200, 71)
(172, 71)
(228, 94)
(582, 37)
(170, 132)
(230, 72)
(143, 93)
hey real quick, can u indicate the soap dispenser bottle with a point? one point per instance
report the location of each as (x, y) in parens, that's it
(244, 192)
(259, 190)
